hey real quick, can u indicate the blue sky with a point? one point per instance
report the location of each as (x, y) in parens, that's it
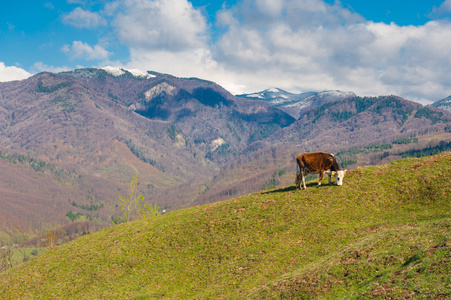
(414, 12)
(368, 47)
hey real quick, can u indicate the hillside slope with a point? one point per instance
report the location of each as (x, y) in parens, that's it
(384, 233)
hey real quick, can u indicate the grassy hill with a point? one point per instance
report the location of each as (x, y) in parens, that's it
(384, 233)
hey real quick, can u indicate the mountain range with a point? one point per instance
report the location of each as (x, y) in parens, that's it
(292, 103)
(70, 142)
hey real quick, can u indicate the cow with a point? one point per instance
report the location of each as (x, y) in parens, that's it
(317, 163)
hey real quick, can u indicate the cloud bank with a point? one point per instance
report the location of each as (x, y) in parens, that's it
(12, 73)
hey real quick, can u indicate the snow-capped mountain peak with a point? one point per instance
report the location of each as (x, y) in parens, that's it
(275, 90)
(115, 71)
(293, 103)
(443, 104)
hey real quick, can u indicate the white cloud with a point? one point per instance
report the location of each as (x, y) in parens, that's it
(413, 60)
(172, 25)
(299, 13)
(293, 49)
(12, 73)
(272, 8)
(85, 51)
(81, 2)
(84, 19)
(49, 5)
(443, 9)
(39, 67)
(168, 36)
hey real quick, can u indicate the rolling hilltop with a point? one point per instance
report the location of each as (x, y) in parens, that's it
(69, 142)
(383, 234)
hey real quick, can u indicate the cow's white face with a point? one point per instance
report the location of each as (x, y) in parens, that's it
(339, 176)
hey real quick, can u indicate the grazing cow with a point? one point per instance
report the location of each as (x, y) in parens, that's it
(317, 163)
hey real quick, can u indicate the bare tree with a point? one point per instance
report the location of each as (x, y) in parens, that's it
(52, 237)
(132, 205)
(5, 258)
(23, 251)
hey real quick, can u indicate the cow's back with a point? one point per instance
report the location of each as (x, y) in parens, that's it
(316, 161)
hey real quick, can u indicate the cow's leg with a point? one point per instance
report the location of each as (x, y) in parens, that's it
(321, 175)
(298, 180)
(303, 174)
(330, 179)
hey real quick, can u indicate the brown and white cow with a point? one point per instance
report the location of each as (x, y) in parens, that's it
(317, 163)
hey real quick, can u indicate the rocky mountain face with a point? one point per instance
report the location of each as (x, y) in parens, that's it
(213, 120)
(295, 103)
(71, 141)
(443, 104)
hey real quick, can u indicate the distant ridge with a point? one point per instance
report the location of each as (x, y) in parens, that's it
(443, 104)
(293, 103)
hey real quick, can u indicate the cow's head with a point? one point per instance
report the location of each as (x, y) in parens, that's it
(339, 176)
